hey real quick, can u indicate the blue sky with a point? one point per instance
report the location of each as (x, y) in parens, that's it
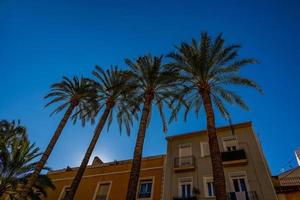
(40, 41)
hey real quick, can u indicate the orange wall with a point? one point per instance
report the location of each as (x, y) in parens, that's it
(117, 174)
(289, 196)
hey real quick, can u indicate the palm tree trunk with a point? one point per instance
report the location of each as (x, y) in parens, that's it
(138, 150)
(215, 154)
(76, 181)
(40, 165)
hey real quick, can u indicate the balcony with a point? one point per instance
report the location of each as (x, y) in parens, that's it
(242, 195)
(184, 163)
(185, 198)
(237, 157)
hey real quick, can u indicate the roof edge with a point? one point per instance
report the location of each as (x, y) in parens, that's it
(221, 128)
(108, 163)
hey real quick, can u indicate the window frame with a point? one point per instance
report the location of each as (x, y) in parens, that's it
(152, 188)
(62, 191)
(180, 182)
(237, 175)
(227, 138)
(98, 187)
(206, 179)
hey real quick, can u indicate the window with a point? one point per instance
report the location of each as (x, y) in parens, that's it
(204, 149)
(185, 154)
(239, 182)
(230, 143)
(185, 150)
(209, 188)
(103, 191)
(185, 187)
(64, 192)
(145, 189)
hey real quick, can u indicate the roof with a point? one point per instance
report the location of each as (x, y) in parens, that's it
(289, 178)
(288, 172)
(219, 129)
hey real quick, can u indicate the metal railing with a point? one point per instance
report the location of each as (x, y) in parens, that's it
(251, 195)
(186, 161)
(234, 155)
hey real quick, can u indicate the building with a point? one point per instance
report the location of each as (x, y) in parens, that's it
(184, 173)
(103, 181)
(188, 171)
(287, 184)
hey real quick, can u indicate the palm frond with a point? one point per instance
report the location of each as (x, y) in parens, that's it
(210, 66)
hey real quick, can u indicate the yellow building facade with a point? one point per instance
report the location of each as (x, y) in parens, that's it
(110, 180)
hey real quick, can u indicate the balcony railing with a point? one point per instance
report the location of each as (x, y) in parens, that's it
(185, 198)
(184, 163)
(251, 195)
(234, 157)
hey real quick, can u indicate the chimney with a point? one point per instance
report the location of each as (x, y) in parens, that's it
(97, 161)
(297, 153)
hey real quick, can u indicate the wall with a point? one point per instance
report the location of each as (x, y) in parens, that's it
(257, 171)
(117, 174)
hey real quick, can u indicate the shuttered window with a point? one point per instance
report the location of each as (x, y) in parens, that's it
(185, 150)
(204, 149)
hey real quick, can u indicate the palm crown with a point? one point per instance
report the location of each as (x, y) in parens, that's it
(113, 89)
(10, 130)
(153, 82)
(77, 92)
(210, 66)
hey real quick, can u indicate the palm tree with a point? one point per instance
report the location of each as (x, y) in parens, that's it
(113, 93)
(10, 130)
(209, 68)
(16, 162)
(155, 85)
(74, 95)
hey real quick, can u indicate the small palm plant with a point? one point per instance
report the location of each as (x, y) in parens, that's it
(208, 69)
(113, 96)
(155, 85)
(74, 95)
(17, 163)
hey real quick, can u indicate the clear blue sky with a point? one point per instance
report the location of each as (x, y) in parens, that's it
(40, 41)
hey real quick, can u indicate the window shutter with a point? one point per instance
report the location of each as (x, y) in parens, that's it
(204, 149)
(185, 150)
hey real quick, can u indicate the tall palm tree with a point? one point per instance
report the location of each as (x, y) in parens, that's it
(155, 85)
(113, 93)
(16, 162)
(73, 95)
(209, 68)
